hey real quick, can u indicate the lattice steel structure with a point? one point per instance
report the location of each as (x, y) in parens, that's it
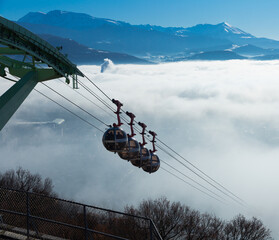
(15, 41)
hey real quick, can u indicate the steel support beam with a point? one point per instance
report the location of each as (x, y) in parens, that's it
(15, 96)
(10, 51)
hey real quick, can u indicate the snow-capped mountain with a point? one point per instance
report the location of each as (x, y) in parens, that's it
(111, 35)
(69, 20)
(221, 30)
(147, 40)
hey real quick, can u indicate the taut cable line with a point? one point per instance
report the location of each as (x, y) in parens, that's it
(61, 95)
(175, 169)
(65, 108)
(209, 180)
(191, 185)
(200, 170)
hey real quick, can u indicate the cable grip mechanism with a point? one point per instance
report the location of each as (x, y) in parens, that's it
(118, 112)
(143, 133)
(153, 134)
(132, 116)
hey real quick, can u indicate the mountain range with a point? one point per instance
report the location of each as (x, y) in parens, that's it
(81, 54)
(88, 39)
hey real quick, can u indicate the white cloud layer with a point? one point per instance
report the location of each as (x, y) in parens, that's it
(222, 116)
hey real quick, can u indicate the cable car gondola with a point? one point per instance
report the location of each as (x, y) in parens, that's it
(115, 139)
(132, 148)
(144, 154)
(143, 157)
(154, 163)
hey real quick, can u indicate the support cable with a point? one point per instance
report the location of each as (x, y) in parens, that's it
(98, 87)
(12, 80)
(76, 105)
(107, 105)
(225, 191)
(88, 89)
(160, 147)
(69, 111)
(96, 96)
(38, 64)
(194, 167)
(220, 190)
(175, 169)
(199, 170)
(191, 185)
(85, 97)
(102, 100)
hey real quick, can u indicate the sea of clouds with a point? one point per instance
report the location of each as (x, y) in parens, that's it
(223, 116)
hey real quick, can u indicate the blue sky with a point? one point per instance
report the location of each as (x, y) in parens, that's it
(258, 17)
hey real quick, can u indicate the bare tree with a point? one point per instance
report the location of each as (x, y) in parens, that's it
(242, 229)
(167, 216)
(173, 220)
(24, 180)
(210, 227)
(176, 221)
(191, 224)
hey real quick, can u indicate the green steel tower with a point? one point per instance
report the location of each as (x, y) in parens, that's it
(15, 41)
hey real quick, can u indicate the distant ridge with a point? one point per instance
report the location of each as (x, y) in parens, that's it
(148, 40)
(80, 54)
(216, 55)
(69, 20)
(111, 35)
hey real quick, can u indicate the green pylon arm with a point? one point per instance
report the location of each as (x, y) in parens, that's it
(16, 40)
(14, 97)
(20, 69)
(10, 51)
(42, 74)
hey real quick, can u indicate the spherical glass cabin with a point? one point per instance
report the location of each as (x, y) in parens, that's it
(131, 150)
(153, 164)
(115, 139)
(142, 158)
